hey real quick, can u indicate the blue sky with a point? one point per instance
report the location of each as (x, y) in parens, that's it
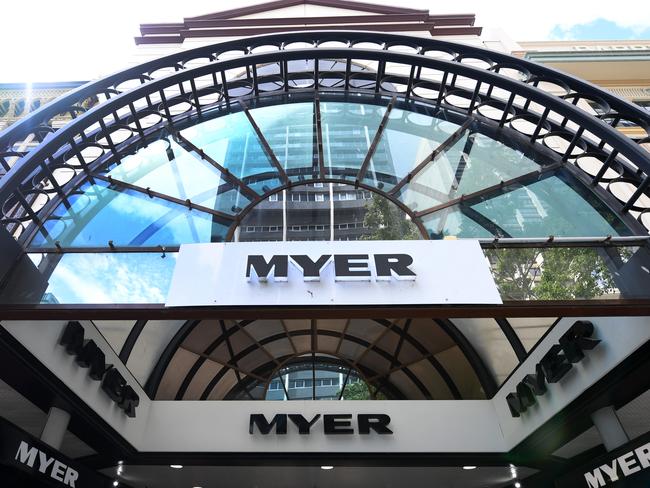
(599, 29)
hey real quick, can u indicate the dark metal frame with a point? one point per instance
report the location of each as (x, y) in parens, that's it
(457, 88)
(32, 174)
(266, 372)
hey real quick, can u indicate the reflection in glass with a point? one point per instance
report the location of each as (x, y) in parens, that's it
(289, 130)
(570, 273)
(100, 213)
(406, 141)
(165, 167)
(232, 142)
(473, 163)
(320, 380)
(550, 206)
(326, 211)
(433, 185)
(79, 278)
(348, 131)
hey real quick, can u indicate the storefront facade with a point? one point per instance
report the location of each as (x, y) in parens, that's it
(447, 243)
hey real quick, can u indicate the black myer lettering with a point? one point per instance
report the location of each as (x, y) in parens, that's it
(89, 355)
(277, 266)
(338, 424)
(394, 265)
(57, 470)
(333, 424)
(310, 269)
(347, 267)
(625, 465)
(351, 267)
(554, 365)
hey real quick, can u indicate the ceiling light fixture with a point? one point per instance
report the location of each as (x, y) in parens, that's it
(469, 467)
(327, 468)
(176, 466)
(517, 485)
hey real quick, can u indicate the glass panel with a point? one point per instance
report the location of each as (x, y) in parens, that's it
(93, 278)
(452, 222)
(305, 213)
(167, 168)
(433, 184)
(570, 273)
(406, 141)
(550, 206)
(232, 142)
(371, 216)
(348, 130)
(308, 213)
(488, 163)
(101, 213)
(306, 380)
(289, 130)
(475, 162)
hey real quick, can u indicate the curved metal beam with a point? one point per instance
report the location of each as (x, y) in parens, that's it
(158, 371)
(485, 378)
(513, 338)
(308, 332)
(131, 339)
(588, 122)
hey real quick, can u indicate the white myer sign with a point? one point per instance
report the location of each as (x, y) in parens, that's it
(332, 273)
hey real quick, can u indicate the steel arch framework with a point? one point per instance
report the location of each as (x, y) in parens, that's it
(499, 91)
(503, 95)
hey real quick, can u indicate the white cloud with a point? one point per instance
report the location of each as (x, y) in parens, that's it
(112, 278)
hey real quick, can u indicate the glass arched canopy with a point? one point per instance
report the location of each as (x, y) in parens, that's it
(446, 175)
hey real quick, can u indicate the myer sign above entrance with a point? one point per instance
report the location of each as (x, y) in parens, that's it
(332, 273)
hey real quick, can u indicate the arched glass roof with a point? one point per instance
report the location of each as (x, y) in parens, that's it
(323, 135)
(437, 166)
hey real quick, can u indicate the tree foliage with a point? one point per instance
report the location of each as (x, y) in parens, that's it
(359, 391)
(550, 274)
(387, 222)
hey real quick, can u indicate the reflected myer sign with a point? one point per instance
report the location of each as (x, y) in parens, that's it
(332, 273)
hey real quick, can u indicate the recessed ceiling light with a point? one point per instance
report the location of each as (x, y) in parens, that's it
(176, 466)
(469, 467)
(327, 467)
(517, 485)
(115, 483)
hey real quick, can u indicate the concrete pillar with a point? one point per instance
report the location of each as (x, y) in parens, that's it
(609, 427)
(55, 427)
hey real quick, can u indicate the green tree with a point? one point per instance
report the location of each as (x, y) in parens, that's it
(550, 274)
(359, 391)
(387, 222)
